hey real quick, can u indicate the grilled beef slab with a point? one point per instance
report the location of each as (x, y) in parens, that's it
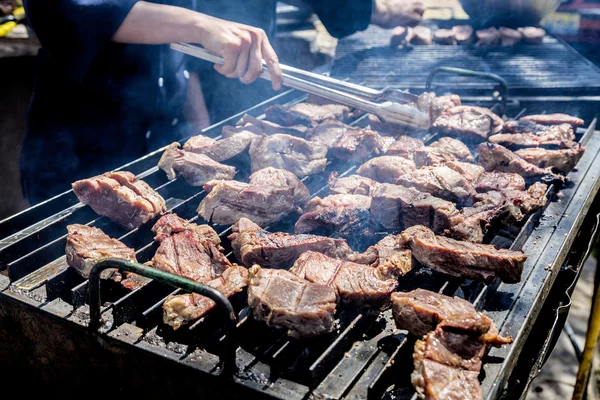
(357, 145)
(297, 155)
(171, 224)
(468, 123)
(455, 147)
(87, 245)
(524, 126)
(347, 215)
(393, 254)
(434, 105)
(533, 35)
(445, 36)
(397, 207)
(386, 169)
(510, 37)
(494, 157)
(563, 160)
(442, 182)
(307, 114)
(260, 126)
(488, 37)
(432, 157)
(327, 133)
(464, 259)
(282, 178)
(554, 119)
(353, 184)
(253, 245)
(220, 150)
(196, 169)
(353, 283)
(283, 300)
(121, 197)
(399, 35)
(549, 136)
(228, 201)
(463, 33)
(183, 308)
(448, 360)
(405, 146)
(499, 181)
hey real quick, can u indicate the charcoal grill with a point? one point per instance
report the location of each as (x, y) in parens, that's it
(45, 312)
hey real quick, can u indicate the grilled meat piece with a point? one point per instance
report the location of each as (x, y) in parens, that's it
(510, 37)
(554, 119)
(563, 160)
(464, 259)
(445, 36)
(228, 201)
(188, 255)
(442, 182)
(353, 184)
(420, 35)
(307, 114)
(463, 34)
(170, 224)
(532, 35)
(448, 360)
(297, 155)
(283, 300)
(488, 37)
(397, 207)
(499, 181)
(550, 136)
(434, 106)
(196, 169)
(260, 126)
(468, 123)
(494, 157)
(183, 308)
(87, 245)
(393, 254)
(405, 146)
(282, 178)
(220, 150)
(399, 35)
(121, 197)
(253, 245)
(347, 215)
(327, 133)
(471, 172)
(386, 169)
(432, 157)
(353, 283)
(523, 126)
(455, 147)
(357, 145)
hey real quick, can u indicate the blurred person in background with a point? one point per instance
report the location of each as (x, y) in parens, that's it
(109, 89)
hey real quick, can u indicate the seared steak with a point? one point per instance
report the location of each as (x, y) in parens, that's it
(307, 114)
(550, 136)
(510, 37)
(259, 126)
(405, 146)
(297, 155)
(397, 207)
(353, 283)
(468, 123)
(533, 35)
(494, 157)
(283, 300)
(442, 182)
(499, 181)
(463, 33)
(386, 169)
(327, 133)
(184, 308)
(196, 169)
(488, 37)
(464, 259)
(170, 224)
(347, 215)
(353, 184)
(121, 197)
(357, 145)
(220, 150)
(253, 245)
(393, 254)
(455, 147)
(87, 245)
(471, 172)
(282, 178)
(432, 157)
(563, 160)
(554, 119)
(434, 106)
(445, 36)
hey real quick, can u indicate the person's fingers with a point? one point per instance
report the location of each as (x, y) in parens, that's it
(254, 60)
(230, 55)
(419, 8)
(270, 57)
(246, 39)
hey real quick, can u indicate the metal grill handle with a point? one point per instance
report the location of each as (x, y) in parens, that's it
(503, 87)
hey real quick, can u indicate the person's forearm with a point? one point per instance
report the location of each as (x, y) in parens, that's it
(149, 23)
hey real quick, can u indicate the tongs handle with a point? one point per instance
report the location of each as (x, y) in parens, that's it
(391, 112)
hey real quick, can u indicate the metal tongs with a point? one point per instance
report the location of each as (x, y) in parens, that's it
(346, 93)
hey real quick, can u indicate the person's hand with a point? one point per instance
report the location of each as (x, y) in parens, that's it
(242, 47)
(392, 13)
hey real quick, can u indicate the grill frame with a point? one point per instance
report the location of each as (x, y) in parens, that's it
(363, 371)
